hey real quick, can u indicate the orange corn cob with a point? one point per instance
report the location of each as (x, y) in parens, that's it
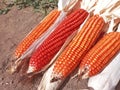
(100, 55)
(78, 47)
(36, 32)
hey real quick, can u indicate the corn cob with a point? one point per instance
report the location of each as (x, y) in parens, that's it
(36, 32)
(46, 51)
(78, 47)
(100, 55)
(109, 77)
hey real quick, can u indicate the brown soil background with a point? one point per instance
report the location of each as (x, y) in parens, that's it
(14, 26)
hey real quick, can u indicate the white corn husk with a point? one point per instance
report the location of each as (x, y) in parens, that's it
(108, 9)
(45, 82)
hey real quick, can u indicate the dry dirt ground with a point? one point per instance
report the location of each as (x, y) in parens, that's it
(13, 28)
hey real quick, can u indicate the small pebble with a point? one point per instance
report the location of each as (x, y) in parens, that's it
(7, 83)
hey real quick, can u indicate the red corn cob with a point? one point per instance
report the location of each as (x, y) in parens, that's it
(78, 47)
(100, 55)
(46, 51)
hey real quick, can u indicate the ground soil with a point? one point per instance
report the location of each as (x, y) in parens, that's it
(14, 26)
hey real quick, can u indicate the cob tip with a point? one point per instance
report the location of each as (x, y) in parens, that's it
(15, 66)
(30, 69)
(82, 74)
